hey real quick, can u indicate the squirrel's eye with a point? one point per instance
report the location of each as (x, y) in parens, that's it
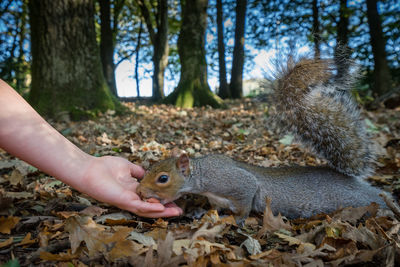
(163, 179)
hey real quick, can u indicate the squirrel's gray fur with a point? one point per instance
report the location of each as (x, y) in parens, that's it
(319, 110)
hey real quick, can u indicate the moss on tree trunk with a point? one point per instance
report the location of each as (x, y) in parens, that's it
(67, 73)
(193, 89)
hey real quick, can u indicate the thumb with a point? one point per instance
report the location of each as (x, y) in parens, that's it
(136, 170)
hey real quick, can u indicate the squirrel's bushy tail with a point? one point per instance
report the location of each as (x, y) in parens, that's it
(320, 111)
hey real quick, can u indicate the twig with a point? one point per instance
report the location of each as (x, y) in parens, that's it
(392, 205)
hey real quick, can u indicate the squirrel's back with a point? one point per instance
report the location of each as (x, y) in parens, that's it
(320, 111)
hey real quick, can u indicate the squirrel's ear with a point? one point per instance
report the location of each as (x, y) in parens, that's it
(183, 164)
(176, 152)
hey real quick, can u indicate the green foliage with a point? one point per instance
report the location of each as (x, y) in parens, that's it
(11, 263)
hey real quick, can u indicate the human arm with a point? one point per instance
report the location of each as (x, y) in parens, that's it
(26, 135)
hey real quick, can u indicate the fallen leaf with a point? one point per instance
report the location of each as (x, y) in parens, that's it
(142, 239)
(6, 243)
(294, 241)
(16, 177)
(8, 223)
(252, 245)
(93, 211)
(85, 229)
(124, 248)
(209, 234)
(27, 240)
(47, 256)
(270, 222)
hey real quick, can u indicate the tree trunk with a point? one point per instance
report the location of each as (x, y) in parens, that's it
(236, 86)
(161, 50)
(66, 68)
(107, 45)
(137, 60)
(223, 84)
(316, 30)
(382, 77)
(342, 50)
(193, 88)
(21, 64)
(159, 41)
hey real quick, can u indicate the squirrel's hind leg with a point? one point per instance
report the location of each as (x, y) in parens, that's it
(241, 212)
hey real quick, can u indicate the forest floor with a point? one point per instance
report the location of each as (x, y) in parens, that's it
(43, 221)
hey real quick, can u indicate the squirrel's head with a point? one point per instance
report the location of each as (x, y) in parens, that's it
(164, 179)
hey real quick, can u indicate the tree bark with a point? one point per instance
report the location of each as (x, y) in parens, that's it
(223, 84)
(382, 77)
(342, 50)
(193, 88)
(236, 86)
(316, 30)
(66, 68)
(21, 65)
(137, 61)
(159, 41)
(107, 45)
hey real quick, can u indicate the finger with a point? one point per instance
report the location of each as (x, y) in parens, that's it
(143, 207)
(136, 171)
(168, 212)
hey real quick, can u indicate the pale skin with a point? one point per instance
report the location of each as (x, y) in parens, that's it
(26, 135)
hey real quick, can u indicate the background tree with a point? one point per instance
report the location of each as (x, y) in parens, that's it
(342, 50)
(137, 78)
(66, 67)
(193, 88)
(107, 39)
(382, 79)
(236, 85)
(159, 40)
(223, 91)
(316, 29)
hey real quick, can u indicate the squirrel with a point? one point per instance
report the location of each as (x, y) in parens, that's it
(321, 113)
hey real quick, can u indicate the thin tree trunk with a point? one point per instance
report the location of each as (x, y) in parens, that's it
(161, 49)
(159, 41)
(315, 28)
(236, 86)
(66, 66)
(193, 88)
(223, 84)
(107, 45)
(342, 50)
(382, 77)
(137, 60)
(20, 70)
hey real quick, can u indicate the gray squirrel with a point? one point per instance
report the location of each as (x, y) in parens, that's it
(319, 110)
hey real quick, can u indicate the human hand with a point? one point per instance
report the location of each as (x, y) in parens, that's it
(109, 179)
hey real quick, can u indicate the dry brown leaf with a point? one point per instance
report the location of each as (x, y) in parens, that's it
(295, 241)
(93, 211)
(7, 242)
(209, 234)
(27, 240)
(157, 233)
(47, 256)
(270, 222)
(124, 249)
(352, 215)
(8, 223)
(16, 177)
(85, 229)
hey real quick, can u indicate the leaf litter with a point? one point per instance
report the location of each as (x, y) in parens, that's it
(45, 222)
